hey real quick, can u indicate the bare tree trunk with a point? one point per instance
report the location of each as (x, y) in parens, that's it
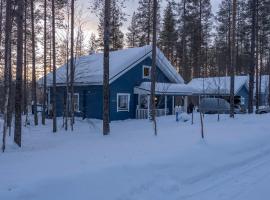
(233, 58)
(153, 69)
(45, 65)
(149, 23)
(184, 42)
(269, 78)
(72, 69)
(201, 64)
(19, 70)
(202, 125)
(67, 77)
(54, 69)
(25, 93)
(261, 70)
(106, 63)
(252, 63)
(257, 56)
(34, 88)
(1, 25)
(8, 28)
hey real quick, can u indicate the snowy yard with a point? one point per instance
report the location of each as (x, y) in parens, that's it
(233, 162)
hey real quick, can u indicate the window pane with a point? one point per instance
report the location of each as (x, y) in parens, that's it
(123, 102)
(146, 71)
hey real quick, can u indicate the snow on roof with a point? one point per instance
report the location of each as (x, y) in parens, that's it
(215, 85)
(165, 88)
(89, 69)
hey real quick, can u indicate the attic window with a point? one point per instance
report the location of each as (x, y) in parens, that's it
(146, 72)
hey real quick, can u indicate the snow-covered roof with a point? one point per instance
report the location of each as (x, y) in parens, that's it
(215, 85)
(165, 89)
(89, 69)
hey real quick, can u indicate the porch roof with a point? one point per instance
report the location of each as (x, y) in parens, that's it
(165, 89)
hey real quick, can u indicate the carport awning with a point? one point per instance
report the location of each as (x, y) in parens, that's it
(165, 89)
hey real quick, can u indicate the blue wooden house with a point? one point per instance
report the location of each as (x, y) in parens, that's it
(129, 85)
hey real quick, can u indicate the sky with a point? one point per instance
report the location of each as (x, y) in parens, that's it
(91, 21)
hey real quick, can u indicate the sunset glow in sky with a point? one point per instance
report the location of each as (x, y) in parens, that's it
(91, 21)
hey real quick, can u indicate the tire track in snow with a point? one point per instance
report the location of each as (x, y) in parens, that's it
(212, 184)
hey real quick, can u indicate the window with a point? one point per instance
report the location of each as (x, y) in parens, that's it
(76, 100)
(123, 102)
(143, 101)
(146, 72)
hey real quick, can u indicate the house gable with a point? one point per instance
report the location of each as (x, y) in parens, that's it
(126, 84)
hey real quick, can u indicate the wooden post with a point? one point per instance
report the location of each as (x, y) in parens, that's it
(165, 105)
(173, 104)
(148, 106)
(185, 103)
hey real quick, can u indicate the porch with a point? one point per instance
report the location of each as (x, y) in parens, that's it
(168, 96)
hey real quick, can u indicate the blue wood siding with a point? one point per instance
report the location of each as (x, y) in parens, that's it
(91, 98)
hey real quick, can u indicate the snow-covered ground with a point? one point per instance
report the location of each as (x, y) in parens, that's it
(233, 162)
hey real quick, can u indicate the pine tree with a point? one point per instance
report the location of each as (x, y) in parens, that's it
(72, 66)
(153, 68)
(145, 21)
(92, 44)
(45, 65)
(8, 28)
(19, 70)
(233, 58)
(168, 35)
(33, 39)
(54, 68)
(117, 17)
(133, 37)
(194, 26)
(252, 63)
(106, 67)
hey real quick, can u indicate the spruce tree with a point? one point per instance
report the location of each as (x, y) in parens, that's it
(92, 44)
(132, 36)
(117, 17)
(168, 34)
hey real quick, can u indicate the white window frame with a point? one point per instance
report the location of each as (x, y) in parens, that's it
(78, 101)
(128, 103)
(148, 67)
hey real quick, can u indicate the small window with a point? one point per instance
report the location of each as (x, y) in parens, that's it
(146, 72)
(76, 100)
(123, 102)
